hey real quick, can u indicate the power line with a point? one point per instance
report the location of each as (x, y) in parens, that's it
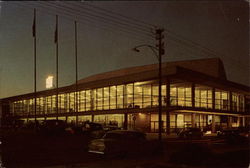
(72, 17)
(177, 37)
(103, 19)
(118, 14)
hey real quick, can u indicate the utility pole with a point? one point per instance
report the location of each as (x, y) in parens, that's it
(35, 90)
(76, 73)
(161, 50)
(56, 41)
(160, 47)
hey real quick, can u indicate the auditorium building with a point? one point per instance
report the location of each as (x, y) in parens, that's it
(195, 93)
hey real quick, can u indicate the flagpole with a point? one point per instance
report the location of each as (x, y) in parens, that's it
(76, 71)
(34, 36)
(56, 41)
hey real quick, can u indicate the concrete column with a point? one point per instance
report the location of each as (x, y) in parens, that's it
(168, 122)
(229, 122)
(193, 120)
(193, 95)
(243, 121)
(213, 98)
(230, 102)
(92, 118)
(168, 93)
(125, 124)
(213, 123)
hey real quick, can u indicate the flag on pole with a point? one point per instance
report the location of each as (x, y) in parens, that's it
(56, 31)
(34, 24)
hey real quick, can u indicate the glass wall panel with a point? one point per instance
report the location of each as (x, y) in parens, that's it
(72, 102)
(106, 98)
(84, 118)
(48, 104)
(173, 95)
(88, 100)
(61, 105)
(241, 103)
(31, 106)
(93, 94)
(164, 95)
(99, 98)
(137, 95)
(155, 95)
(203, 96)
(237, 102)
(110, 119)
(147, 101)
(180, 94)
(120, 92)
(112, 97)
(54, 104)
(221, 100)
(82, 97)
(26, 107)
(130, 95)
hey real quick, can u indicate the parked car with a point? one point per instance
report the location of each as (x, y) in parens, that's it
(228, 133)
(53, 127)
(93, 130)
(234, 135)
(118, 142)
(190, 133)
(111, 128)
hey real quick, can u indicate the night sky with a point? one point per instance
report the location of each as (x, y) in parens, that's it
(220, 26)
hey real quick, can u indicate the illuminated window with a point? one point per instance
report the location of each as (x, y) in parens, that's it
(106, 98)
(147, 96)
(89, 102)
(237, 102)
(113, 97)
(203, 96)
(82, 97)
(221, 100)
(71, 102)
(180, 94)
(155, 95)
(137, 95)
(99, 98)
(120, 90)
(130, 95)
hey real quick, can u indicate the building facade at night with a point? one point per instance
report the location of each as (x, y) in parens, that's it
(195, 93)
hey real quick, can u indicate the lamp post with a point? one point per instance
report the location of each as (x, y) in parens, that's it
(159, 56)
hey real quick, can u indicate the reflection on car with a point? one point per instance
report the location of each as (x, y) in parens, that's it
(118, 142)
(190, 133)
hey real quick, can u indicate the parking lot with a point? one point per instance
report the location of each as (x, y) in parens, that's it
(28, 149)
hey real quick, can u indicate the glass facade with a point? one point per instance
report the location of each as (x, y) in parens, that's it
(137, 95)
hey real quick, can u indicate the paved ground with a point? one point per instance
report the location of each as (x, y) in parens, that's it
(28, 150)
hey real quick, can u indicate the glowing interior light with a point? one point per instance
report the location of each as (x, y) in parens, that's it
(49, 82)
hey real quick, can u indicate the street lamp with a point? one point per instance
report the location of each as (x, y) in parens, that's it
(154, 49)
